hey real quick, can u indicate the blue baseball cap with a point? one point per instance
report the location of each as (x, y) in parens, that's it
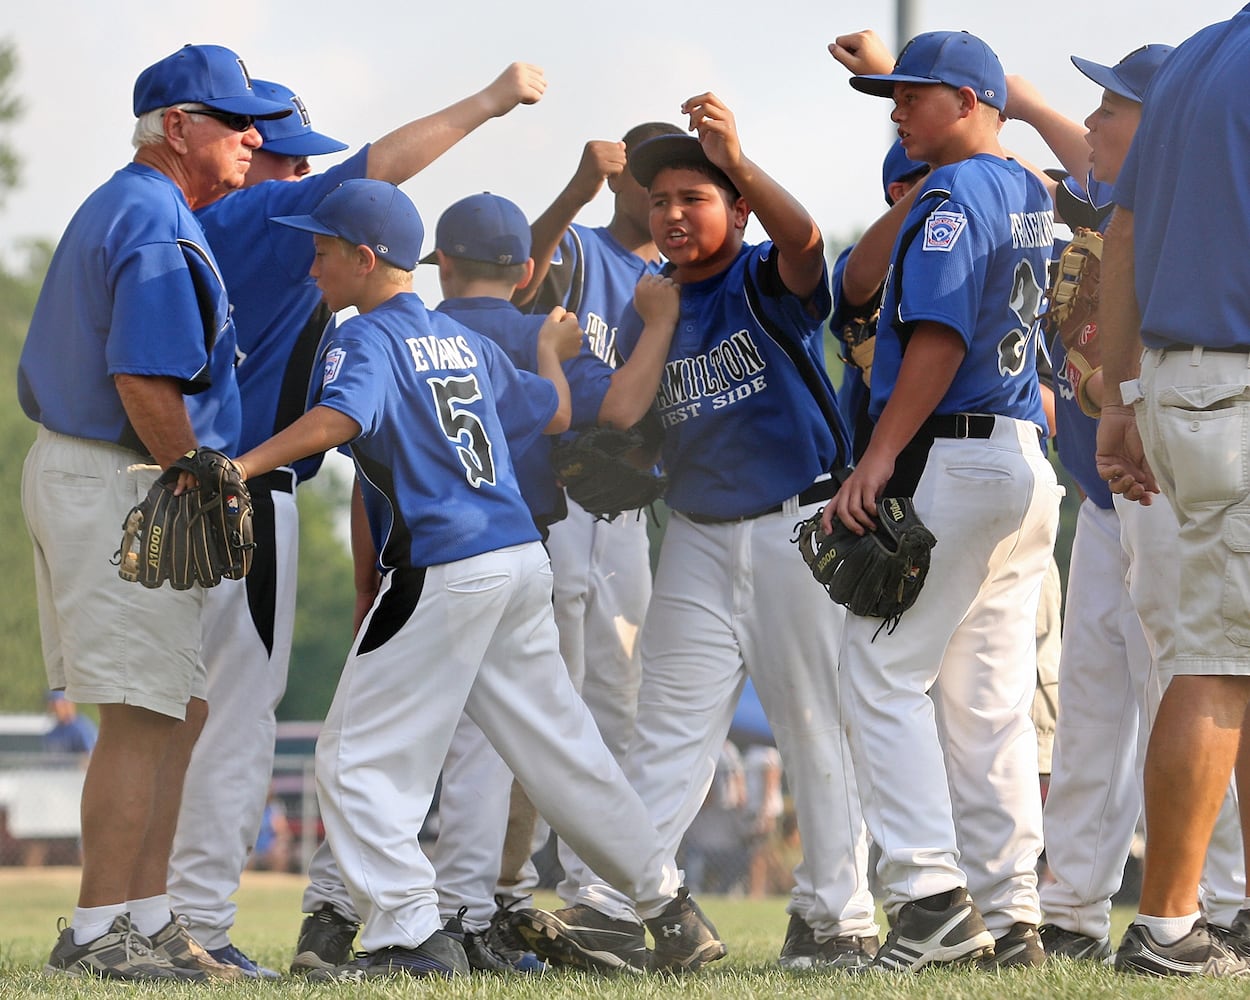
(373, 213)
(897, 166)
(483, 227)
(203, 74)
(292, 135)
(1131, 75)
(955, 58)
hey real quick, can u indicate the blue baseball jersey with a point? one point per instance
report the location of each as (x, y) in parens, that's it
(972, 256)
(749, 413)
(1086, 203)
(517, 333)
(1076, 433)
(1187, 181)
(439, 406)
(276, 302)
(134, 289)
(593, 277)
(852, 393)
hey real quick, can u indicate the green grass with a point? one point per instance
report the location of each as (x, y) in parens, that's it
(269, 917)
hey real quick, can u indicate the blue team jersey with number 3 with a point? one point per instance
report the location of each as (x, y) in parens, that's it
(972, 256)
(438, 406)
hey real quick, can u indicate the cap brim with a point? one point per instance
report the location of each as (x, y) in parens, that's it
(883, 85)
(650, 157)
(305, 144)
(257, 107)
(305, 222)
(1105, 76)
(430, 258)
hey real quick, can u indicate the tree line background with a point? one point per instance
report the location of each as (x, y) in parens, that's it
(324, 606)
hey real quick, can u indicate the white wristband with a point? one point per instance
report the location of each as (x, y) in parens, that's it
(1130, 392)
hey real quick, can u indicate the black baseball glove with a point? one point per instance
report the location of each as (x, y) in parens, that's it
(201, 536)
(877, 574)
(603, 469)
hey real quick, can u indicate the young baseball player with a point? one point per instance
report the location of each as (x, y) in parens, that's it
(1176, 341)
(483, 254)
(751, 434)
(954, 807)
(602, 568)
(1110, 680)
(248, 628)
(463, 614)
(482, 247)
(857, 296)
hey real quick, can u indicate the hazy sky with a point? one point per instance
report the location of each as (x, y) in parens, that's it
(364, 68)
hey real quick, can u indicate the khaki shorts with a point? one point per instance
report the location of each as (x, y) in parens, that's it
(1195, 426)
(105, 641)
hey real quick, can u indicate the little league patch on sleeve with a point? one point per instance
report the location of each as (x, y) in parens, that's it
(333, 362)
(942, 230)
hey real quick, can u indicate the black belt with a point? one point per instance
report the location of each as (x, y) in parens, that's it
(959, 425)
(277, 481)
(817, 492)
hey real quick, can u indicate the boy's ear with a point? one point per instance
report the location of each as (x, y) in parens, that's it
(740, 211)
(445, 267)
(366, 259)
(968, 101)
(529, 273)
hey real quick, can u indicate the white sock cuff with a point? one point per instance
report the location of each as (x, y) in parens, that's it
(1168, 930)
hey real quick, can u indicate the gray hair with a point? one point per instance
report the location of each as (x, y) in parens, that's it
(150, 126)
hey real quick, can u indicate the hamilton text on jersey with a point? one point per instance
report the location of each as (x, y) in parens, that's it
(730, 371)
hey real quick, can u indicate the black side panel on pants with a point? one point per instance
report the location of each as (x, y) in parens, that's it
(396, 608)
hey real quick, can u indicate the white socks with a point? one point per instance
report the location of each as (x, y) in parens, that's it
(90, 922)
(1167, 930)
(149, 915)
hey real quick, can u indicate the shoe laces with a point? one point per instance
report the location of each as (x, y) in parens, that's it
(455, 925)
(138, 946)
(500, 934)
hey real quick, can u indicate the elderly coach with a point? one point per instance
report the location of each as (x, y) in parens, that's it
(128, 364)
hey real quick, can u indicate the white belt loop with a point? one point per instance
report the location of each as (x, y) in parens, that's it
(790, 506)
(1195, 356)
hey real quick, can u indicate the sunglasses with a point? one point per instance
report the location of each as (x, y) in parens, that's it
(232, 121)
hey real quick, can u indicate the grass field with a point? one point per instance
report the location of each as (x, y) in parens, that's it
(269, 917)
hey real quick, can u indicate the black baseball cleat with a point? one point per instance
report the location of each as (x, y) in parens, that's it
(325, 941)
(502, 939)
(1236, 937)
(584, 938)
(441, 955)
(1021, 945)
(685, 940)
(477, 947)
(801, 951)
(1061, 943)
(1198, 953)
(936, 930)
